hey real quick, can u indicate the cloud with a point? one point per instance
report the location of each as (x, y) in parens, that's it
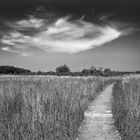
(16, 43)
(64, 35)
(26, 24)
(8, 49)
(71, 37)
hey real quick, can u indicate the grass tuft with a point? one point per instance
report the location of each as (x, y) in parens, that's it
(44, 108)
(126, 107)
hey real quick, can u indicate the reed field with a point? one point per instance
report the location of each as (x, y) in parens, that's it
(44, 108)
(126, 107)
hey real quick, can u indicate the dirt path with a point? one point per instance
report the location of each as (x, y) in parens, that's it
(98, 123)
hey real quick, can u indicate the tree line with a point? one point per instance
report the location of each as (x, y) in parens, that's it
(64, 70)
(13, 70)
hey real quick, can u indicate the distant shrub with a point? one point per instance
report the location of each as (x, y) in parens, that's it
(13, 70)
(64, 69)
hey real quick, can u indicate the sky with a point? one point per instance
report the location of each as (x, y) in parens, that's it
(44, 34)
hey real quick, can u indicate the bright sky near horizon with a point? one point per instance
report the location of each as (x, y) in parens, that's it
(41, 35)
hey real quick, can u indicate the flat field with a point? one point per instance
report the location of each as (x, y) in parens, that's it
(44, 108)
(126, 107)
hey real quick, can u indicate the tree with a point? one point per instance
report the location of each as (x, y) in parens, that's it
(39, 73)
(86, 72)
(13, 70)
(92, 70)
(64, 69)
(107, 72)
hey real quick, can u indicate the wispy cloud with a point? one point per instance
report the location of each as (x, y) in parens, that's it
(63, 35)
(26, 24)
(8, 49)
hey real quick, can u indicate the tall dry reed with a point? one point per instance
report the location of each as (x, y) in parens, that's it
(44, 108)
(126, 107)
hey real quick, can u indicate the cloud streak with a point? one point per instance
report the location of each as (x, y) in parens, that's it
(63, 35)
(26, 24)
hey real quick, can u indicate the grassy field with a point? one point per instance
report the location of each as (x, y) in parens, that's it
(126, 107)
(44, 108)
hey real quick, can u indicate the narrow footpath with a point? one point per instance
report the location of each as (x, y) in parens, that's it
(98, 123)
